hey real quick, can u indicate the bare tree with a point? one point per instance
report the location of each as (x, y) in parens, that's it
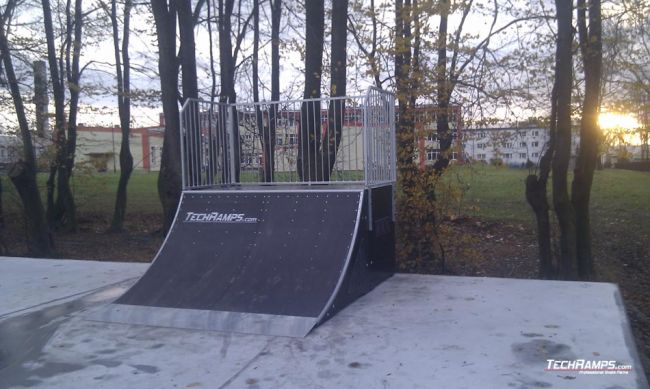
(123, 75)
(23, 173)
(371, 53)
(309, 135)
(64, 65)
(338, 86)
(167, 14)
(575, 257)
(590, 40)
(560, 164)
(169, 179)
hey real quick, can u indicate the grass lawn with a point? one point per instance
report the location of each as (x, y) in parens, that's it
(95, 194)
(491, 193)
(618, 196)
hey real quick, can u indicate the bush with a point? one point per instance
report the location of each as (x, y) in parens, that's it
(496, 162)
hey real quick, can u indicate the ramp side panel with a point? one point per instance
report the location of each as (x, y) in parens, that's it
(285, 258)
(373, 256)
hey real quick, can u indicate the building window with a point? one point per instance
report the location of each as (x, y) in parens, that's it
(432, 155)
(432, 137)
(508, 145)
(293, 139)
(535, 133)
(535, 155)
(279, 140)
(522, 144)
(480, 156)
(480, 145)
(535, 144)
(507, 155)
(522, 155)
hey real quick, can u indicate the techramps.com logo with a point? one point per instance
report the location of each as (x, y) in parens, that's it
(585, 366)
(217, 217)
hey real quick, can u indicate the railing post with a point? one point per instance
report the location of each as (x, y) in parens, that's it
(182, 143)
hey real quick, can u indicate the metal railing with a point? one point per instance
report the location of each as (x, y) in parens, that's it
(312, 141)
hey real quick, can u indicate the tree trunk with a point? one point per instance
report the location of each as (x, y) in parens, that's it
(23, 173)
(276, 15)
(310, 123)
(443, 93)
(23, 176)
(338, 86)
(405, 138)
(41, 98)
(591, 48)
(169, 178)
(123, 72)
(187, 54)
(537, 198)
(227, 73)
(61, 210)
(59, 138)
(561, 201)
(265, 138)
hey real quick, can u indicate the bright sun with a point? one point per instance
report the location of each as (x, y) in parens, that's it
(616, 120)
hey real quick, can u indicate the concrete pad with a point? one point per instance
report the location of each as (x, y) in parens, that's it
(411, 331)
(28, 283)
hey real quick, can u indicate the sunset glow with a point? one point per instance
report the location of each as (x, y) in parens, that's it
(620, 128)
(617, 120)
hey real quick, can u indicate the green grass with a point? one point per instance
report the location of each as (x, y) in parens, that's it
(95, 193)
(491, 193)
(498, 193)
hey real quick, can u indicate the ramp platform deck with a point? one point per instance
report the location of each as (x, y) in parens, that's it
(412, 331)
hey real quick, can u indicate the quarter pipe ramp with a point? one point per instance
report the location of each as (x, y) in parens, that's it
(268, 260)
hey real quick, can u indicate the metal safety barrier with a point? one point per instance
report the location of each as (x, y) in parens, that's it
(311, 141)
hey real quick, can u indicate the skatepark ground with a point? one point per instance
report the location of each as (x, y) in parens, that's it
(411, 331)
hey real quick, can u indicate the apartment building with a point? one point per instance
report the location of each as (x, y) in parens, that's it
(510, 146)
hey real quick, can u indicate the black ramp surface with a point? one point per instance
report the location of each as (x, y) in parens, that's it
(275, 253)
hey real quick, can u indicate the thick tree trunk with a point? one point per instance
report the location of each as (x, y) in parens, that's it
(591, 48)
(54, 213)
(561, 200)
(123, 72)
(41, 98)
(169, 178)
(61, 210)
(338, 86)
(309, 138)
(263, 131)
(23, 176)
(405, 133)
(537, 198)
(187, 54)
(227, 73)
(276, 15)
(443, 93)
(23, 173)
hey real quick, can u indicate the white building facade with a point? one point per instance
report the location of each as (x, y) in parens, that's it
(505, 146)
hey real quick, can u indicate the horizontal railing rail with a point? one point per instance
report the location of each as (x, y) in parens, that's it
(310, 141)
